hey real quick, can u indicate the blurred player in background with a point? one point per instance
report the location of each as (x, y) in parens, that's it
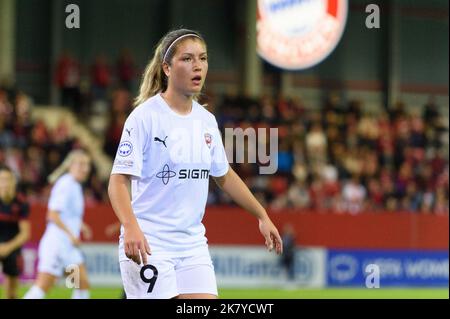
(14, 230)
(59, 246)
(163, 216)
(288, 256)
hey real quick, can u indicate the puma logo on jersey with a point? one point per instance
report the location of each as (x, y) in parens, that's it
(157, 139)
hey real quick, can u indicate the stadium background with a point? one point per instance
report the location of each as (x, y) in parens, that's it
(393, 79)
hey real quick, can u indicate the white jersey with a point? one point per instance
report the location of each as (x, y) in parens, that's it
(170, 158)
(67, 199)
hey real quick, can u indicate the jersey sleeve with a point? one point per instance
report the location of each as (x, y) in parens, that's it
(59, 196)
(129, 156)
(219, 161)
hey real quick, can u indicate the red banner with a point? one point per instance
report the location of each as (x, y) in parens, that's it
(230, 225)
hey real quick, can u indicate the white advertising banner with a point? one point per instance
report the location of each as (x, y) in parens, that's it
(102, 264)
(235, 266)
(254, 266)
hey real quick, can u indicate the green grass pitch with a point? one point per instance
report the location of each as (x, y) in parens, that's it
(350, 293)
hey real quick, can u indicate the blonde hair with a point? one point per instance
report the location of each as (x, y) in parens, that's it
(65, 165)
(154, 80)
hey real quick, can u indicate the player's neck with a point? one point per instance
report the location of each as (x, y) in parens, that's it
(179, 103)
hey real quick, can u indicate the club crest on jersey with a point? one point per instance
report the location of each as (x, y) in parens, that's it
(208, 139)
(125, 149)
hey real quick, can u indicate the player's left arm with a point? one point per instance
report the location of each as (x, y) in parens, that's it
(233, 185)
(19, 240)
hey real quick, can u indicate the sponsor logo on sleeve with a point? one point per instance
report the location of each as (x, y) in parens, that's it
(128, 130)
(123, 163)
(125, 149)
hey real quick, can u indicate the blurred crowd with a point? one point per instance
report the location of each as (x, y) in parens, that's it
(81, 85)
(340, 158)
(336, 157)
(33, 150)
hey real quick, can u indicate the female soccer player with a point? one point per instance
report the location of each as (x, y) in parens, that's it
(170, 146)
(59, 247)
(14, 230)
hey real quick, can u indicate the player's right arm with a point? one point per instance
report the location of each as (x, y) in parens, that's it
(54, 217)
(135, 243)
(18, 241)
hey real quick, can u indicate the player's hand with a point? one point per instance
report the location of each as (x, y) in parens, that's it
(5, 250)
(112, 230)
(75, 241)
(86, 231)
(270, 233)
(135, 244)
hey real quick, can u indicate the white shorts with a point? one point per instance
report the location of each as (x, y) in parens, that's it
(167, 277)
(55, 255)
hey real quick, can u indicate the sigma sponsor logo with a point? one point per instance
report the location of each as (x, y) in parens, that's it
(194, 173)
(298, 34)
(166, 174)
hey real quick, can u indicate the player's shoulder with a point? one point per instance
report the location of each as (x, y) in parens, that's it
(145, 110)
(205, 114)
(65, 181)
